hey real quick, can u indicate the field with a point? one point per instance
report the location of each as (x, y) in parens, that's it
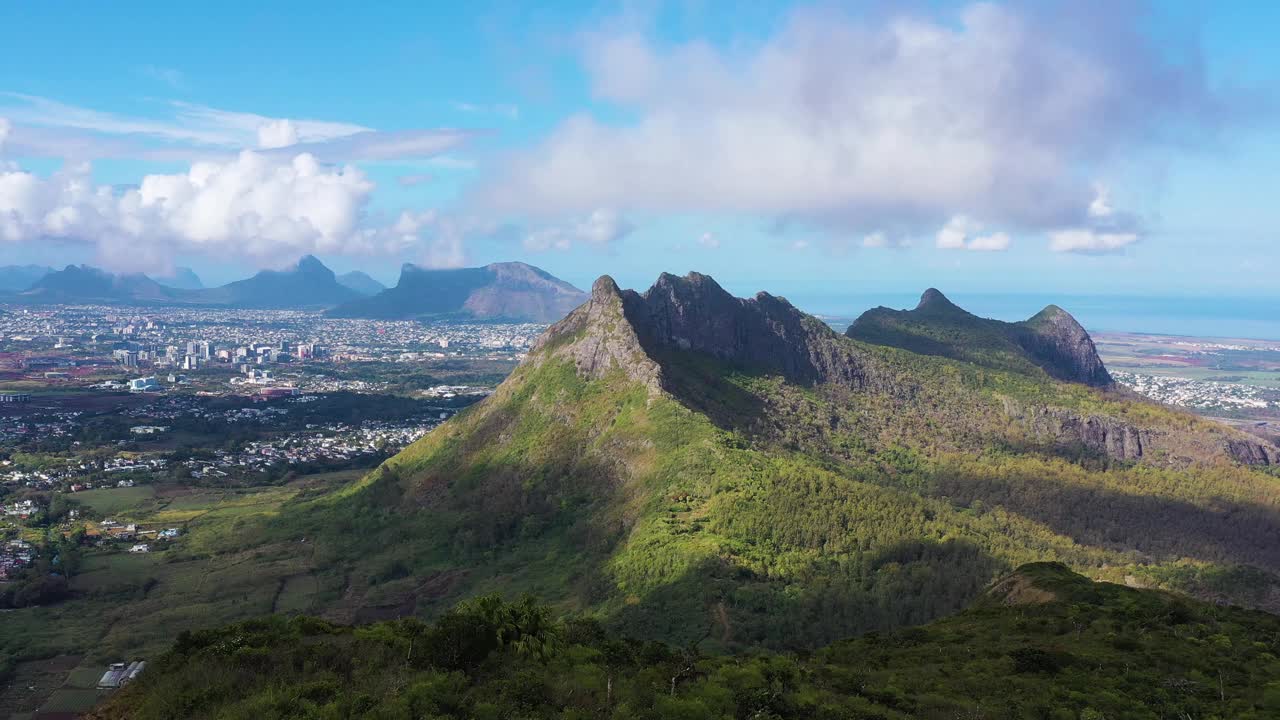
(1232, 360)
(130, 606)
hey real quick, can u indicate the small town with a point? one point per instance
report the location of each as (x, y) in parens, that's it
(1200, 394)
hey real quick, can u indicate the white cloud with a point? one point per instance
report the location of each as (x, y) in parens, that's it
(960, 233)
(506, 110)
(709, 240)
(256, 206)
(277, 134)
(1105, 230)
(601, 228)
(1090, 241)
(993, 242)
(4, 132)
(190, 131)
(955, 234)
(863, 124)
(875, 240)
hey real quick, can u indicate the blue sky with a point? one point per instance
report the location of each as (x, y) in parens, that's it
(861, 148)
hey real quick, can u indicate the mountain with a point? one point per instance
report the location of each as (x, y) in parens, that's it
(1043, 642)
(309, 283)
(361, 283)
(81, 283)
(180, 278)
(509, 291)
(21, 277)
(681, 462)
(1051, 340)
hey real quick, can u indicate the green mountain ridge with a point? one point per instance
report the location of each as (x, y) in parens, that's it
(1042, 643)
(680, 460)
(1051, 340)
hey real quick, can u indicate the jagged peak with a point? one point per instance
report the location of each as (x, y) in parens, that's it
(933, 300)
(310, 263)
(1053, 313)
(604, 288)
(694, 313)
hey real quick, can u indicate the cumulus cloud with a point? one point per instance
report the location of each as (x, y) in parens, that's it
(256, 206)
(961, 233)
(900, 122)
(709, 240)
(1105, 229)
(277, 134)
(600, 229)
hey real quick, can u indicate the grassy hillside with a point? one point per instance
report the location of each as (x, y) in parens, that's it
(1044, 643)
(775, 514)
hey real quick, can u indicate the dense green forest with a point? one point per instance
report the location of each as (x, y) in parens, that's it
(1043, 643)
(817, 516)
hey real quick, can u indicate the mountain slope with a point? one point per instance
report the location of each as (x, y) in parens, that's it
(683, 459)
(361, 283)
(1043, 643)
(512, 291)
(81, 283)
(21, 277)
(309, 283)
(180, 278)
(1052, 340)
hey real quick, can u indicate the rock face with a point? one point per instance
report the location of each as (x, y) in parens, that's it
(1063, 348)
(1052, 340)
(693, 313)
(599, 339)
(1099, 434)
(1251, 452)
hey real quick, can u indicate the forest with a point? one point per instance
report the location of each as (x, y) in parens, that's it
(1043, 643)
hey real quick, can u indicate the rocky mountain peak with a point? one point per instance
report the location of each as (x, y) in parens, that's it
(311, 265)
(1063, 347)
(932, 300)
(694, 313)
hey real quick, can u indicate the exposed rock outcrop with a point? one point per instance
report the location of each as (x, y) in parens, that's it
(599, 338)
(1063, 348)
(1251, 452)
(628, 330)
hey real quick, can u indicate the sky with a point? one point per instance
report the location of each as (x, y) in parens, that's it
(814, 150)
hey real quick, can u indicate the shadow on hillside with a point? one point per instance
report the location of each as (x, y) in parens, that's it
(700, 382)
(1161, 528)
(726, 605)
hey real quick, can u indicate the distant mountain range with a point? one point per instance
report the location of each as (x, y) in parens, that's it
(512, 291)
(20, 277)
(181, 278)
(361, 283)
